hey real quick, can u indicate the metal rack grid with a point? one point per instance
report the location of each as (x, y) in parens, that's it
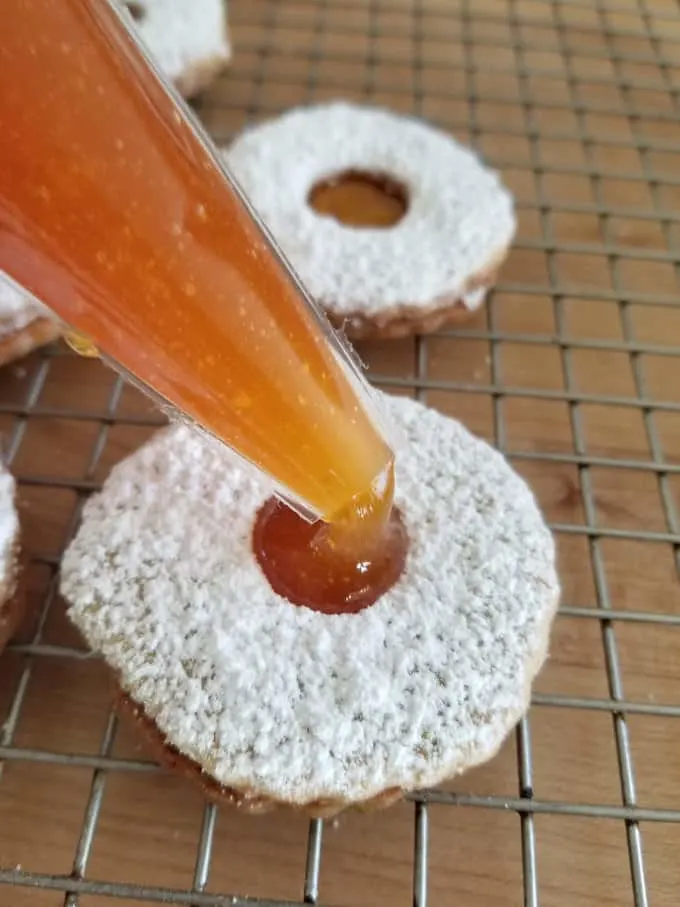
(578, 104)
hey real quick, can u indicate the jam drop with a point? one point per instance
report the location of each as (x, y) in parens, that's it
(336, 568)
(358, 199)
(81, 345)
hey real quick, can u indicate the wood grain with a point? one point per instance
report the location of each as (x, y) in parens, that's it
(558, 126)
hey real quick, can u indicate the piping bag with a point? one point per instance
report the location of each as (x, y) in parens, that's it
(117, 214)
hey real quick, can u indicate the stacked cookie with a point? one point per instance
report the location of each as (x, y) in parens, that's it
(420, 686)
(452, 219)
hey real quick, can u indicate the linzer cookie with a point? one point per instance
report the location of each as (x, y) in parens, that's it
(24, 323)
(393, 226)
(264, 702)
(11, 597)
(187, 38)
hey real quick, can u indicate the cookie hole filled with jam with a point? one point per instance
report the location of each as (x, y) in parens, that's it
(336, 567)
(359, 199)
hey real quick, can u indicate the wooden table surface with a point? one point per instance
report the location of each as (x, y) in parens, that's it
(573, 369)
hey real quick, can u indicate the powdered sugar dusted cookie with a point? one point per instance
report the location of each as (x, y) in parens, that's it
(267, 702)
(452, 221)
(187, 38)
(24, 323)
(11, 602)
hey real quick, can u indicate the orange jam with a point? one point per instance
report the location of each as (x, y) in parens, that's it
(359, 199)
(339, 568)
(116, 214)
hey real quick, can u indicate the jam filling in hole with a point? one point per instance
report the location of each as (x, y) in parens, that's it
(304, 565)
(359, 199)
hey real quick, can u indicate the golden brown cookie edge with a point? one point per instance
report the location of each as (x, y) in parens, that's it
(20, 343)
(408, 320)
(245, 800)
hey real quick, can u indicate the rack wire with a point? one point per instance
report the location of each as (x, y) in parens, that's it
(572, 370)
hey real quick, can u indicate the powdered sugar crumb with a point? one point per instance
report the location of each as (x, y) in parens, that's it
(291, 703)
(459, 222)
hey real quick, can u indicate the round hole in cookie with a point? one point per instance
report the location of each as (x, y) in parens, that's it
(357, 198)
(136, 10)
(302, 566)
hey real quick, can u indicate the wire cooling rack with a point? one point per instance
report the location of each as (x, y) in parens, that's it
(572, 369)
